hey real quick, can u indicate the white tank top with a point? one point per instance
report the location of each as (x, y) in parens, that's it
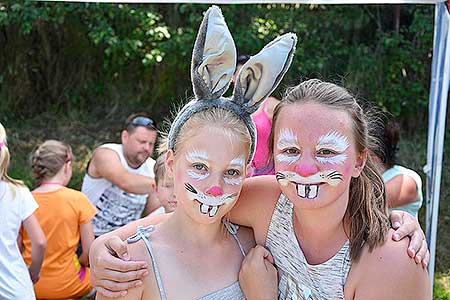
(298, 279)
(115, 207)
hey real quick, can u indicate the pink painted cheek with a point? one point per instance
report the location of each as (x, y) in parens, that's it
(347, 170)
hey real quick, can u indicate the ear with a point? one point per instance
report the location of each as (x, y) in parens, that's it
(260, 76)
(124, 136)
(361, 160)
(213, 57)
(169, 163)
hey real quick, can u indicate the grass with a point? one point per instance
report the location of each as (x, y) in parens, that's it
(85, 135)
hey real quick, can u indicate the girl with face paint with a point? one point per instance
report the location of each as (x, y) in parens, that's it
(197, 253)
(327, 230)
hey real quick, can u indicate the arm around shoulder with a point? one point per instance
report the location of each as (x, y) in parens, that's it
(387, 273)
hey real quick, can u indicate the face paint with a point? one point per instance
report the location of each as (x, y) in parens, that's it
(287, 139)
(281, 157)
(233, 181)
(196, 155)
(197, 176)
(238, 162)
(308, 187)
(336, 142)
(333, 160)
(209, 205)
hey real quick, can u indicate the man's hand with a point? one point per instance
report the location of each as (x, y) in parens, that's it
(112, 273)
(406, 225)
(258, 277)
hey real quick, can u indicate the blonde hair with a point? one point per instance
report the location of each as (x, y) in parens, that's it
(160, 167)
(231, 124)
(367, 207)
(49, 158)
(4, 161)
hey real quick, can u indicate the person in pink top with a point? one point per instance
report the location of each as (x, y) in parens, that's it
(261, 164)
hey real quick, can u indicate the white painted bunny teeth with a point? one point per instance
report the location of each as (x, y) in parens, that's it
(307, 191)
(204, 208)
(211, 210)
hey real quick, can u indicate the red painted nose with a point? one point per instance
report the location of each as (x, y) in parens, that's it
(306, 170)
(214, 191)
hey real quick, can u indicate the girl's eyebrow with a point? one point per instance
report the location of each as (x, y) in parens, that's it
(196, 155)
(287, 138)
(333, 139)
(237, 161)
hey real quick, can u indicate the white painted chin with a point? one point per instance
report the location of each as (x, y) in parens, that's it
(209, 210)
(307, 191)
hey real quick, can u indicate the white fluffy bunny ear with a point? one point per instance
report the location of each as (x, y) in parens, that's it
(213, 58)
(262, 73)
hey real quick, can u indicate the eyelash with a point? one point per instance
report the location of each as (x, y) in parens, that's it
(291, 151)
(236, 173)
(331, 152)
(203, 168)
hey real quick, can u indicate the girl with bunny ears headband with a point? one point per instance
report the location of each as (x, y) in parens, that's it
(210, 144)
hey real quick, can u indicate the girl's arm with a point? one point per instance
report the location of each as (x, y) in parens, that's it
(38, 245)
(87, 237)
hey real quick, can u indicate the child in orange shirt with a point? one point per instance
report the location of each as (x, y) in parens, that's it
(65, 216)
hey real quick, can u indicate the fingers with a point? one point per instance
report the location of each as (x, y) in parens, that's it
(110, 294)
(113, 263)
(125, 277)
(396, 219)
(420, 255)
(407, 228)
(117, 247)
(114, 286)
(260, 251)
(426, 260)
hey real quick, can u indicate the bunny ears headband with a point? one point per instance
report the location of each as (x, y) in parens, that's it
(212, 68)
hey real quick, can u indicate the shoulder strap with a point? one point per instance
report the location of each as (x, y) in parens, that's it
(143, 233)
(233, 229)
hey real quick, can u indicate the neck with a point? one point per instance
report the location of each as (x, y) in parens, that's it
(321, 231)
(52, 183)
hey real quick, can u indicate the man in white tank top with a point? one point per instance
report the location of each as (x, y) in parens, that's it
(119, 178)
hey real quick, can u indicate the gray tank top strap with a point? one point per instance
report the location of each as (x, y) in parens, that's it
(142, 233)
(233, 229)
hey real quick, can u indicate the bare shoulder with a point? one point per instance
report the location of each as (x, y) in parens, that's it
(256, 202)
(387, 272)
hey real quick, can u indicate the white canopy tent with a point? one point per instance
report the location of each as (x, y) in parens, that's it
(437, 103)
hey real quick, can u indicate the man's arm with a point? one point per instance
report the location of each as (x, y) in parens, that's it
(106, 163)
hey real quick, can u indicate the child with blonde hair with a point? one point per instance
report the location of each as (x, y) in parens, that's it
(17, 207)
(65, 216)
(164, 187)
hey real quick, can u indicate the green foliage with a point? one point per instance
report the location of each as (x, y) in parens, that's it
(92, 58)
